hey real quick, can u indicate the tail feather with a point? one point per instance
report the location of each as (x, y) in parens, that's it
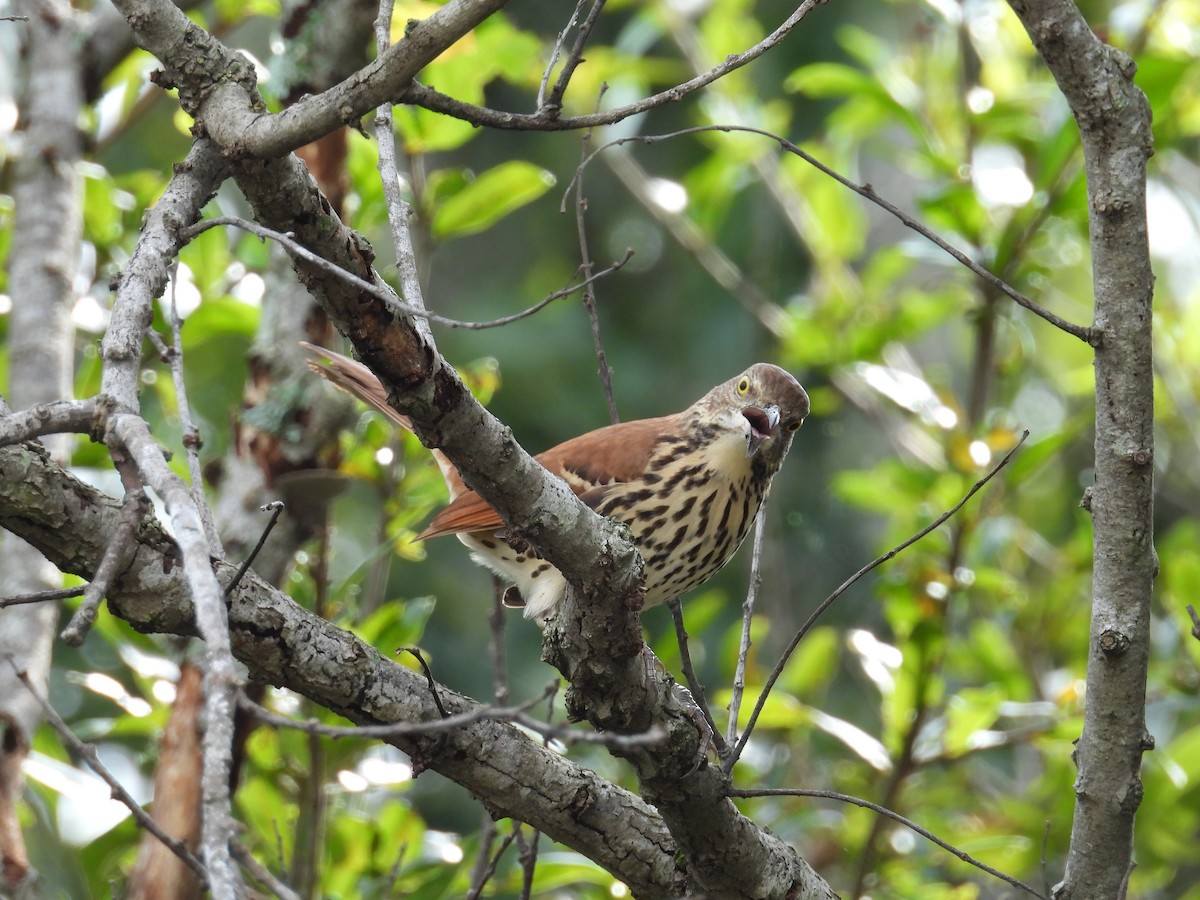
(353, 377)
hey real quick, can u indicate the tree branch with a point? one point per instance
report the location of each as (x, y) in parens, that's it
(284, 644)
(548, 119)
(220, 91)
(1114, 126)
(596, 640)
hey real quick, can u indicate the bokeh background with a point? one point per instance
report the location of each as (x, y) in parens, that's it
(946, 685)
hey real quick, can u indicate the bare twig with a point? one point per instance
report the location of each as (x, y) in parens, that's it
(261, 873)
(88, 753)
(555, 53)
(386, 294)
(1087, 335)
(416, 653)
(275, 508)
(192, 441)
(739, 674)
(398, 209)
(549, 120)
(689, 674)
(496, 654)
(42, 596)
(1044, 865)
(1195, 621)
(485, 875)
(529, 857)
(553, 103)
(845, 585)
(483, 854)
(589, 297)
(517, 715)
(894, 816)
(116, 558)
(447, 722)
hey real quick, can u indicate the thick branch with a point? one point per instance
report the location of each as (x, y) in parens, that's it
(597, 644)
(286, 645)
(727, 854)
(216, 85)
(1114, 125)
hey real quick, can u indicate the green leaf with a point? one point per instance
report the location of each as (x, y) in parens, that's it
(490, 197)
(969, 711)
(216, 338)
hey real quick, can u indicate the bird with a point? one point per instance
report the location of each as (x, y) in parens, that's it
(688, 485)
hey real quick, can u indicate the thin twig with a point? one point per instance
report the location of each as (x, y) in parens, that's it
(416, 653)
(553, 103)
(117, 556)
(689, 675)
(555, 54)
(398, 209)
(447, 722)
(529, 858)
(275, 508)
(739, 674)
(261, 873)
(1087, 335)
(483, 854)
(192, 442)
(42, 596)
(894, 816)
(490, 869)
(517, 715)
(496, 654)
(384, 293)
(1045, 867)
(589, 296)
(88, 753)
(845, 585)
(1195, 621)
(549, 120)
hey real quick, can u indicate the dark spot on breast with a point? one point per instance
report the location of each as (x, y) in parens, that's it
(686, 472)
(685, 508)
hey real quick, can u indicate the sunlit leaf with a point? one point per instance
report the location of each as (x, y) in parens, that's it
(483, 201)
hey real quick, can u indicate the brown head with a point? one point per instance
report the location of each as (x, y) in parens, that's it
(761, 409)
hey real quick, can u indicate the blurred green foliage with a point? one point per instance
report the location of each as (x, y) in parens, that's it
(948, 685)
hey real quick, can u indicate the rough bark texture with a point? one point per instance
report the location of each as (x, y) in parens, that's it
(283, 644)
(1114, 125)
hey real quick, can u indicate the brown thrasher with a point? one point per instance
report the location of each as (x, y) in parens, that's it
(688, 485)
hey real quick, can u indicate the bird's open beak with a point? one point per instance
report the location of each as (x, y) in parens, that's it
(763, 422)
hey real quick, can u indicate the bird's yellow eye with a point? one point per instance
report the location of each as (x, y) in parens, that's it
(794, 426)
(743, 385)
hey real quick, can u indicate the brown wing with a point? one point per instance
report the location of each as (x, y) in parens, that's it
(588, 464)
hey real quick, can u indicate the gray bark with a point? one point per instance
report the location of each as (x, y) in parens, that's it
(1114, 126)
(43, 269)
